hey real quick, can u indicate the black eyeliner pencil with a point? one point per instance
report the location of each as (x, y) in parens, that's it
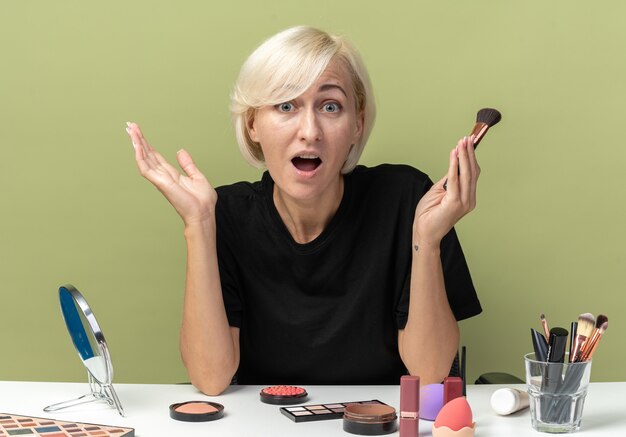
(572, 335)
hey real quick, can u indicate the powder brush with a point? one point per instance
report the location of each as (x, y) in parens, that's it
(586, 323)
(485, 118)
(593, 339)
(596, 340)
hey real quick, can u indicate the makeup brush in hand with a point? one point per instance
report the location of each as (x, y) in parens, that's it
(485, 118)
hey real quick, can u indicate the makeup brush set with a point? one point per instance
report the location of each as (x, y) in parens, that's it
(560, 372)
(584, 338)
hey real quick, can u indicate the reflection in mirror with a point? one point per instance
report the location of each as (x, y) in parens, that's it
(92, 350)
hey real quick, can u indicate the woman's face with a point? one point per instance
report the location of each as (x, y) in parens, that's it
(306, 141)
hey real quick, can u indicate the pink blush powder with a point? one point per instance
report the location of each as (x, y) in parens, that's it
(196, 408)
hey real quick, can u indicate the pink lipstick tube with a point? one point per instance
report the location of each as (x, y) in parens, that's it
(452, 388)
(409, 406)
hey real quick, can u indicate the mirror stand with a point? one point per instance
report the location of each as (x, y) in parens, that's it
(92, 350)
(98, 392)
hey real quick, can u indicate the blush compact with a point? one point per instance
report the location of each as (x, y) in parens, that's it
(283, 395)
(369, 419)
(196, 411)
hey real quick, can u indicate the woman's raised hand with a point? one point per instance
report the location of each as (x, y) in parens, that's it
(440, 208)
(191, 194)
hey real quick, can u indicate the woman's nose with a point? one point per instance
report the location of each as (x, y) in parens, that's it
(310, 128)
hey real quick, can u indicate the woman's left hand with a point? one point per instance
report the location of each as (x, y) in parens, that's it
(440, 208)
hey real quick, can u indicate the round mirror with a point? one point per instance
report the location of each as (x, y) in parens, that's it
(91, 347)
(86, 334)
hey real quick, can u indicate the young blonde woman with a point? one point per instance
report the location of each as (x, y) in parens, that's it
(322, 272)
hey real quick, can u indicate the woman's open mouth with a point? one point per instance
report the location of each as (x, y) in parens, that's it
(306, 163)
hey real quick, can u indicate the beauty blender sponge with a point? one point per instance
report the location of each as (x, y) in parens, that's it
(454, 420)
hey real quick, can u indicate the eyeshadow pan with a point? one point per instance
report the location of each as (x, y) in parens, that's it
(22, 431)
(309, 413)
(44, 429)
(322, 412)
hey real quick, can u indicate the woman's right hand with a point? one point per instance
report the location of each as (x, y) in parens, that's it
(191, 194)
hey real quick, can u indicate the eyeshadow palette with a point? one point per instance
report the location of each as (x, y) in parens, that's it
(309, 413)
(11, 424)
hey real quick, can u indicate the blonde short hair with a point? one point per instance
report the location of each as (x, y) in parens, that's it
(284, 67)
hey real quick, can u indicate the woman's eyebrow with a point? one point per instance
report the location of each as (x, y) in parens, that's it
(328, 86)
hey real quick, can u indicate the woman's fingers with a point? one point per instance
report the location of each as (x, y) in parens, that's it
(475, 168)
(462, 176)
(151, 164)
(186, 163)
(465, 177)
(469, 170)
(140, 153)
(165, 166)
(452, 185)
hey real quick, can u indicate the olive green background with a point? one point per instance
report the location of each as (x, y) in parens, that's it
(547, 235)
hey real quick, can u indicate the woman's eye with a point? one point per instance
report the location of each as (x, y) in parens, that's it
(285, 107)
(331, 107)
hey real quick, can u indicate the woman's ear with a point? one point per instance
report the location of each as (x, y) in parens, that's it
(358, 132)
(251, 126)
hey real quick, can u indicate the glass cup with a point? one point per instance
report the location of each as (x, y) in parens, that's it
(557, 393)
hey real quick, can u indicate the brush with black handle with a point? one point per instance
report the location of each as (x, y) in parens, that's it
(485, 119)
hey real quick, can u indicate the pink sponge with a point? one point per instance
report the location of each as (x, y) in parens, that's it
(454, 419)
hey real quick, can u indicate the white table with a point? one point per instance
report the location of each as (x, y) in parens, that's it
(147, 409)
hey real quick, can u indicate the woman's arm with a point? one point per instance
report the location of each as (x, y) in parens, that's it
(429, 341)
(209, 347)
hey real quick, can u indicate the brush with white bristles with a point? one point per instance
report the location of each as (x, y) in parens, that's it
(587, 349)
(586, 323)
